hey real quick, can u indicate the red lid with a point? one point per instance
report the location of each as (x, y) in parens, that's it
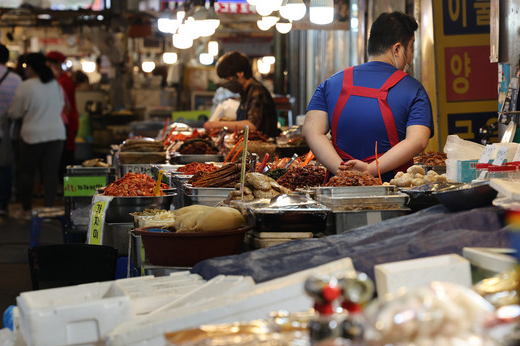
(513, 163)
(501, 168)
(483, 165)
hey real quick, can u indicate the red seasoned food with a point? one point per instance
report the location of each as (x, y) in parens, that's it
(133, 185)
(194, 167)
(431, 158)
(353, 178)
(300, 177)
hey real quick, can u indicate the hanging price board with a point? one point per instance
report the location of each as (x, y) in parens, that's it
(96, 223)
(76, 186)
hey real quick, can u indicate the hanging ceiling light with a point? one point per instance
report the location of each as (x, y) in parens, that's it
(321, 11)
(169, 58)
(148, 66)
(266, 7)
(213, 48)
(271, 20)
(269, 59)
(263, 25)
(88, 66)
(293, 9)
(206, 58)
(263, 67)
(284, 26)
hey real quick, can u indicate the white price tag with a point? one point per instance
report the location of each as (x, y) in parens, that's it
(517, 154)
(501, 155)
(96, 223)
(486, 155)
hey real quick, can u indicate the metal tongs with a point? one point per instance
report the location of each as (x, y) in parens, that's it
(220, 138)
(294, 157)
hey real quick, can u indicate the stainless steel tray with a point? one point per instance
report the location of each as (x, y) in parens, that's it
(208, 191)
(80, 170)
(354, 191)
(365, 202)
(188, 158)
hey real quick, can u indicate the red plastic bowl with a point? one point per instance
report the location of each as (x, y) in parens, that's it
(188, 248)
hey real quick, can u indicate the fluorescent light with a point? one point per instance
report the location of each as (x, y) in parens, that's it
(293, 10)
(148, 66)
(206, 59)
(213, 48)
(169, 58)
(321, 11)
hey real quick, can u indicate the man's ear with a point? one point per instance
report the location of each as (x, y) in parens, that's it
(240, 75)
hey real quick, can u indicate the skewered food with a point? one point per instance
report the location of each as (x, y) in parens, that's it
(133, 185)
(226, 176)
(353, 178)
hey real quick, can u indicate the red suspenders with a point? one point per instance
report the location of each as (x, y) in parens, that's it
(349, 89)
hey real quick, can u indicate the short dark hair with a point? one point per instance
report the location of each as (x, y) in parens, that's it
(233, 62)
(390, 28)
(37, 62)
(4, 54)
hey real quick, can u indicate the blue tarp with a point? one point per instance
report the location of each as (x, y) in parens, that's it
(430, 232)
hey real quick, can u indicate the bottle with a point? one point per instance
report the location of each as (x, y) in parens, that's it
(326, 324)
(356, 289)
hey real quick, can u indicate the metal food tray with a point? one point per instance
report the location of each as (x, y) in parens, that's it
(80, 170)
(365, 202)
(437, 169)
(189, 158)
(355, 191)
(208, 191)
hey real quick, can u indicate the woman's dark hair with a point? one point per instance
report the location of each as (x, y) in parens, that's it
(230, 63)
(388, 29)
(4, 54)
(37, 62)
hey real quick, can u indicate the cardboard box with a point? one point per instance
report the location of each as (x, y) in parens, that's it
(390, 277)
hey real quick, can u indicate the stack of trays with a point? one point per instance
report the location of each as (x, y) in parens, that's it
(356, 206)
(209, 196)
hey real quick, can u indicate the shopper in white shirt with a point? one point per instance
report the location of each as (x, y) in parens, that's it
(39, 101)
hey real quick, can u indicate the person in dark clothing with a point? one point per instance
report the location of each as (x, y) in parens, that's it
(257, 108)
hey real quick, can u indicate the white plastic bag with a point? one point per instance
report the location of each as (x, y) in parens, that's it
(457, 148)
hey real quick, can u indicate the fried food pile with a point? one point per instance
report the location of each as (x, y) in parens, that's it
(141, 145)
(257, 185)
(415, 176)
(198, 146)
(353, 178)
(301, 177)
(194, 167)
(94, 163)
(431, 158)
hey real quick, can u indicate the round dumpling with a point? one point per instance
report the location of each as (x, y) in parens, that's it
(415, 169)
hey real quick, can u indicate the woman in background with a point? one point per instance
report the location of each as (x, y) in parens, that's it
(38, 102)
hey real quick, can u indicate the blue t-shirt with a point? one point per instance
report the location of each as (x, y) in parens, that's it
(361, 123)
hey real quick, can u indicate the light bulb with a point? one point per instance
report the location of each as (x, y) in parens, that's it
(269, 59)
(293, 10)
(283, 27)
(263, 25)
(88, 66)
(271, 20)
(264, 8)
(181, 41)
(321, 11)
(263, 67)
(148, 66)
(169, 58)
(213, 48)
(206, 59)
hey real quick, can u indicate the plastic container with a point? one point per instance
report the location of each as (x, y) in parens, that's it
(505, 172)
(482, 171)
(187, 248)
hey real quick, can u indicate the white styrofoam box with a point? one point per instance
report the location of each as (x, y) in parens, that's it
(82, 314)
(496, 260)
(203, 307)
(390, 277)
(149, 293)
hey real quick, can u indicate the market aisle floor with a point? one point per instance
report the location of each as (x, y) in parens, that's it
(14, 242)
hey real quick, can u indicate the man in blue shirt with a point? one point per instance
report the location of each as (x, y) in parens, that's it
(376, 102)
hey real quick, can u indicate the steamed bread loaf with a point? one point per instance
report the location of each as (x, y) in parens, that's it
(191, 208)
(186, 218)
(219, 219)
